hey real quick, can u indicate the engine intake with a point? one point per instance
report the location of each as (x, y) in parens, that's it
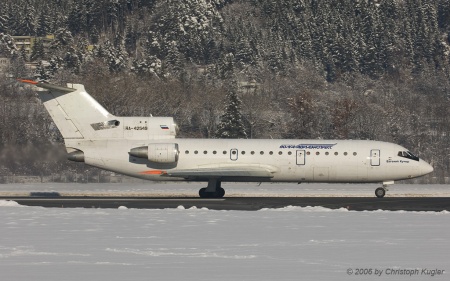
(166, 153)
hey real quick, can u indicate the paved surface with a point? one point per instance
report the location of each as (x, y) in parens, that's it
(241, 203)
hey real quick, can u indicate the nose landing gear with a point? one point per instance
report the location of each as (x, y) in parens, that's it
(381, 191)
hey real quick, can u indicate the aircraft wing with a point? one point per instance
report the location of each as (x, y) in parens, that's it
(231, 172)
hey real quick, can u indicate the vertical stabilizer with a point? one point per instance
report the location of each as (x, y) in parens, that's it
(73, 110)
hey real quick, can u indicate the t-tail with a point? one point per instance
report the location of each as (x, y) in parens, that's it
(79, 118)
(74, 111)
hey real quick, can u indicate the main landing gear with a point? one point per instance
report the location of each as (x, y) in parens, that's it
(213, 190)
(381, 191)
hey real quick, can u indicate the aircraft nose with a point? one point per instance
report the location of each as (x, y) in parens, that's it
(425, 168)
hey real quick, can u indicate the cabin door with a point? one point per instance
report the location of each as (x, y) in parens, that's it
(375, 157)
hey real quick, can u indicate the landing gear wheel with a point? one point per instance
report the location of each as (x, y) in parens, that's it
(219, 193)
(380, 192)
(202, 192)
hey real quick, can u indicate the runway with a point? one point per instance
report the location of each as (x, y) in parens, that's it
(435, 204)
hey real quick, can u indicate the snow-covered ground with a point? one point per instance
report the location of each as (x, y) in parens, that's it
(292, 243)
(232, 189)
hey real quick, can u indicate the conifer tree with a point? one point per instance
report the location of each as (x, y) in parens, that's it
(3, 22)
(72, 60)
(44, 23)
(7, 45)
(23, 53)
(175, 59)
(76, 19)
(17, 67)
(131, 38)
(55, 64)
(231, 125)
(27, 22)
(63, 38)
(37, 51)
(41, 72)
(12, 13)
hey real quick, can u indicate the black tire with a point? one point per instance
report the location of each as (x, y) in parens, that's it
(202, 193)
(380, 192)
(220, 192)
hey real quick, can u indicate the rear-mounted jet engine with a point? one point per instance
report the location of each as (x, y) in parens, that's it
(166, 153)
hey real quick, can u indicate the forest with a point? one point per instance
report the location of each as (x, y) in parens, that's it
(305, 69)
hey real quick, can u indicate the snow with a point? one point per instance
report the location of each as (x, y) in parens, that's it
(8, 203)
(291, 243)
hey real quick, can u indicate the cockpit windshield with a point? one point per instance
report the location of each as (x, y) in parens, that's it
(408, 154)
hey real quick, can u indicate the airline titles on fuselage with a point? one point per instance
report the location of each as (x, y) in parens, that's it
(308, 146)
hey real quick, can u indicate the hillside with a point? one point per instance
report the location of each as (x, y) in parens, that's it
(302, 69)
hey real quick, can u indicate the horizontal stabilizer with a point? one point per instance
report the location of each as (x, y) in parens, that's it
(48, 86)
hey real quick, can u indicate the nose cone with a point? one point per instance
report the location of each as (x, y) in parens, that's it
(425, 168)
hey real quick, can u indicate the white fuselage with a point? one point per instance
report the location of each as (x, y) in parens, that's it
(288, 160)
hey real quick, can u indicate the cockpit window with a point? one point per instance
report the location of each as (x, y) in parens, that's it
(408, 154)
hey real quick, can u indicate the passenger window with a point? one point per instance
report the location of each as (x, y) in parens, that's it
(354, 153)
(214, 152)
(233, 152)
(224, 152)
(205, 152)
(262, 152)
(336, 153)
(242, 152)
(187, 152)
(317, 153)
(308, 153)
(290, 153)
(252, 152)
(345, 153)
(271, 152)
(327, 153)
(196, 152)
(280, 152)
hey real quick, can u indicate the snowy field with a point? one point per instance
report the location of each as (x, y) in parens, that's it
(232, 189)
(293, 243)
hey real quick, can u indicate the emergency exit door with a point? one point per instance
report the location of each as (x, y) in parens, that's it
(301, 157)
(234, 154)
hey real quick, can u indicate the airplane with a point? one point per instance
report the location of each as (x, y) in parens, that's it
(147, 148)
